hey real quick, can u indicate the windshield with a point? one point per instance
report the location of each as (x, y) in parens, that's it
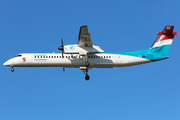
(18, 55)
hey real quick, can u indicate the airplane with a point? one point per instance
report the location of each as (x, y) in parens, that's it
(85, 55)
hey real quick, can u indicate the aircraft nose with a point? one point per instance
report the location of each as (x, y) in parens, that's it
(8, 63)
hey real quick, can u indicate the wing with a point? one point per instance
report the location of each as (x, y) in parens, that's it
(84, 39)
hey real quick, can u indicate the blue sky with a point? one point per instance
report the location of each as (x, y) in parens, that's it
(144, 92)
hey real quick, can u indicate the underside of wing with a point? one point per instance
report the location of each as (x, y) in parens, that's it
(84, 39)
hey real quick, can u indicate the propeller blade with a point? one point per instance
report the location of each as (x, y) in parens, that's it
(62, 42)
(62, 55)
(61, 47)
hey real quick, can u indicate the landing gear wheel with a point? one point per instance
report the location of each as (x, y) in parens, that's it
(12, 69)
(87, 77)
(87, 64)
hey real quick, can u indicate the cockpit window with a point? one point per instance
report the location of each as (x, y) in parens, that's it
(18, 55)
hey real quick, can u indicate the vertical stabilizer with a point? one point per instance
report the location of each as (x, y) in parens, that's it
(164, 40)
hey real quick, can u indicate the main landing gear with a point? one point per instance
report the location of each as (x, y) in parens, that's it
(87, 77)
(85, 69)
(87, 64)
(86, 73)
(12, 69)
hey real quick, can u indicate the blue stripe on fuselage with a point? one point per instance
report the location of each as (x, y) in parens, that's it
(150, 54)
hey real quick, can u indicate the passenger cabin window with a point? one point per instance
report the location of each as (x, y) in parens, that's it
(34, 56)
(54, 56)
(46, 56)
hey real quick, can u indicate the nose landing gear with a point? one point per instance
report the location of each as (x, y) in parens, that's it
(12, 69)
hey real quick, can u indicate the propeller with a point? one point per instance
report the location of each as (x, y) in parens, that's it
(61, 47)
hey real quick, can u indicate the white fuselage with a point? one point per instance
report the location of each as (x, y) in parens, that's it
(74, 60)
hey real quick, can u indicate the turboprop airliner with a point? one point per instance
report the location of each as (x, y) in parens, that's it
(85, 55)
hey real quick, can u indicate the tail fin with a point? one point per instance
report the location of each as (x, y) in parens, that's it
(164, 40)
